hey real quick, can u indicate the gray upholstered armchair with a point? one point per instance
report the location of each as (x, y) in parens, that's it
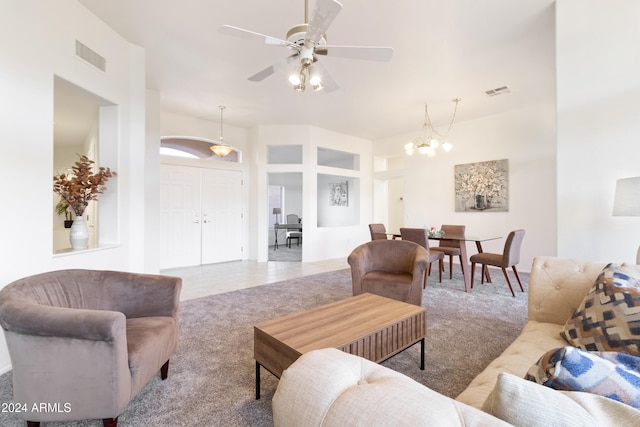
(390, 268)
(87, 339)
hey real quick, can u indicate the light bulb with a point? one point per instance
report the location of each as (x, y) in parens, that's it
(424, 148)
(409, 148)
(447, 146)
(294, 79)
(315, 80)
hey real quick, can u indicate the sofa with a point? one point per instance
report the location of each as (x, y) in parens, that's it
(329, 388)
(87, 340)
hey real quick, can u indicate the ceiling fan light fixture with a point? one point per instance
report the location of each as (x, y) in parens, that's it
(301, 80)
(314, 77)
(308, 41)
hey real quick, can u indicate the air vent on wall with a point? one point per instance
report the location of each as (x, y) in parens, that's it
(497, 91)
(91, 56)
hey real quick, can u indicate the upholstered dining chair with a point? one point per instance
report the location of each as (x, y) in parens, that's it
(451, 248)
(419, 236)
(509, 257)
(92, 339)
(378, 231)
(391, 268)
(294, 233)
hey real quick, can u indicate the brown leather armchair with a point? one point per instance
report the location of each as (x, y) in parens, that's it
(90, 339)
(390, 268)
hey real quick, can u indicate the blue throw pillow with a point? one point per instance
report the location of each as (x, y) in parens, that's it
(605, 373)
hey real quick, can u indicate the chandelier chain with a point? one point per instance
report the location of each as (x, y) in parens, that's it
(428, 123)
(222, 107)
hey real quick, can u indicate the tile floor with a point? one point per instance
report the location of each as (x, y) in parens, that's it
(212, 279)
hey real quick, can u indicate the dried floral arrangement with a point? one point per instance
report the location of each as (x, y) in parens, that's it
(77, 188)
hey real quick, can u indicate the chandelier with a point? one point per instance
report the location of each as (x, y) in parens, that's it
(428, 143)
(221, 149)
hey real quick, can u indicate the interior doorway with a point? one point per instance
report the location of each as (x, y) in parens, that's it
(285, 194)
(395, 204)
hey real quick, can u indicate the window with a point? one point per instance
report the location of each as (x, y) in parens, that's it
(276, 201)
(338, 159)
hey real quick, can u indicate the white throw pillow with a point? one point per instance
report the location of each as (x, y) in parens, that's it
(525, 403)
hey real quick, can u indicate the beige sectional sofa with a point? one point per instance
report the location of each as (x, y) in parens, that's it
(328, 387)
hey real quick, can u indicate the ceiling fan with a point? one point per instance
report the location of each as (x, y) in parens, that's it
(307, 41)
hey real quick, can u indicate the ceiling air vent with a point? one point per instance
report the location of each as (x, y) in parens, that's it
(91, 56)
(497, 91)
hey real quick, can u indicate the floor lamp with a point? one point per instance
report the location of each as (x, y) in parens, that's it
(276, 212)
(627, 200)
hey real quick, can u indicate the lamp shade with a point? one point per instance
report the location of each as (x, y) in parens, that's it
(627, 197)
(276, 211)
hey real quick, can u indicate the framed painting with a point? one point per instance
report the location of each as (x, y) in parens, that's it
(482, 187)
(338, 193)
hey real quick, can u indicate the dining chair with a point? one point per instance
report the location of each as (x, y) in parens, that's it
(451, 248)
(419, 236)
(378, 231)
(509, 257)
(293, 234)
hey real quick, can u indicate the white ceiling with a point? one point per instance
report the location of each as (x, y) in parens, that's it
(443, 49)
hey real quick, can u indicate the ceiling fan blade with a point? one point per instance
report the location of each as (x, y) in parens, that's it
(263, 74)
(328, 82)
(369, 53)
(230, 30)
(324, 13)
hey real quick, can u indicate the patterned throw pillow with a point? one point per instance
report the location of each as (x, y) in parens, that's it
(608, 319)
(609, 374)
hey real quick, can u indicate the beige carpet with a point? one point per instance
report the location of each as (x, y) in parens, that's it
(211, 378)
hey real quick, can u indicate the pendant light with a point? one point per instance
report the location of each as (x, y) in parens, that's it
(221, 149)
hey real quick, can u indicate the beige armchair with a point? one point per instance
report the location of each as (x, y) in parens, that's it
(390, 268)
(88, 339)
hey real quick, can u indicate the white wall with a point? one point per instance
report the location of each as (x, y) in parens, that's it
(319, 243)
(526, 137)
(598, 72)
(37, 41)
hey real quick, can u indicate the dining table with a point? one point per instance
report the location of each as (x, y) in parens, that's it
(462, 242)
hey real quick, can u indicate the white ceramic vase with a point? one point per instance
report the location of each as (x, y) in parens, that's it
(79, 233)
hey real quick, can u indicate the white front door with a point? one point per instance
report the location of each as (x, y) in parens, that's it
(180, 216)
(221, 215)
(201, 216)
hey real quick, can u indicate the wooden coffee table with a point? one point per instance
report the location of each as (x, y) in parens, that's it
(366, 325)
